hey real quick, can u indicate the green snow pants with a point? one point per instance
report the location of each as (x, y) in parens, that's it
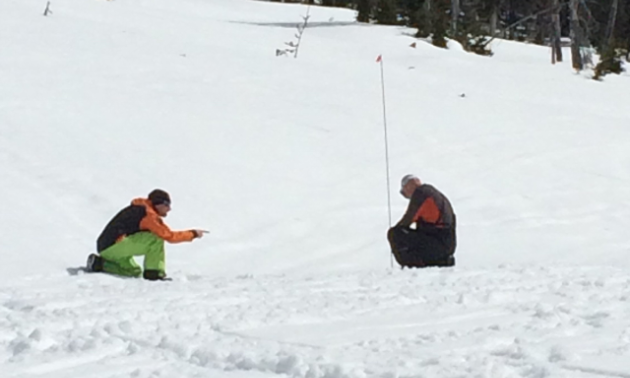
(118, 259)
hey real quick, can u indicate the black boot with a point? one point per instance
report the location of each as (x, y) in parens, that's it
(94, 263)
(155, 275)
(449, 261)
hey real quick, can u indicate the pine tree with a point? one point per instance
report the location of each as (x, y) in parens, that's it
(623, 31)
(556, 33)
(364, 9)
(440, 22)
(425, 20)
(576, 36)
(611, 48)
(386, 12)
(410, 10)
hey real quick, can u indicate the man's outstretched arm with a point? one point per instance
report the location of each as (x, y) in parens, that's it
(157, 226)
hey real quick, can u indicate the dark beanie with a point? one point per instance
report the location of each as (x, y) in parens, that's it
(159, 197)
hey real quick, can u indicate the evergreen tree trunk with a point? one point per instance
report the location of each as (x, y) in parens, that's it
(494, 18)
(556, 45)
(386, 12)
(439, 22)
(425, 20)
(624, 26)
(576, 34)
(364, 10)
(455, 9)
(610, 28)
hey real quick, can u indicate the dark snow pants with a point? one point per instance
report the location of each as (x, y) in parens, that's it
(423, 247)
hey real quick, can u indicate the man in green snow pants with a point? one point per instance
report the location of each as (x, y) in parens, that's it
(138, 230)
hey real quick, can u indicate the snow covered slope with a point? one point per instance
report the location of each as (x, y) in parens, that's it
(283, 160)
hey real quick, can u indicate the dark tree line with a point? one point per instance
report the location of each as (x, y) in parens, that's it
(600, 24)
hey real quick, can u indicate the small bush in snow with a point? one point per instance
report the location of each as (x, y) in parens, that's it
(47, 11)
(295, 46)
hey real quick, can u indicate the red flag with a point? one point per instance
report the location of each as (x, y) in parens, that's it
(379, 59)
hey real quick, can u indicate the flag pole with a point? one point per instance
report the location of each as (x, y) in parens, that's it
(389, 201)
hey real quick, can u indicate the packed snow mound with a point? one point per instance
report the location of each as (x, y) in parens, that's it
(503, 322)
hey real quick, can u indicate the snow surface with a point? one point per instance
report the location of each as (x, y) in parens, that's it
(283, 160)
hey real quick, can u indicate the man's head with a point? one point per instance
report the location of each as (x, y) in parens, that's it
(161, 201)
(408, 185)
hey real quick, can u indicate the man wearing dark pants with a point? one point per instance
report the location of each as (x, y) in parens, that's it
(432, 242)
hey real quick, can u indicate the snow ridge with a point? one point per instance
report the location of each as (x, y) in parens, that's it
(512, 322)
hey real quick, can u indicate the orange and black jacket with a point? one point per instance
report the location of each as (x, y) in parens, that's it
(428, 208)
(137, 217)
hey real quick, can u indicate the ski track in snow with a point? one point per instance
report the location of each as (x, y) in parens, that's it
(510, 322)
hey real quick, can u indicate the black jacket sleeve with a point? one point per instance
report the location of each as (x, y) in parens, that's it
(418, 197)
